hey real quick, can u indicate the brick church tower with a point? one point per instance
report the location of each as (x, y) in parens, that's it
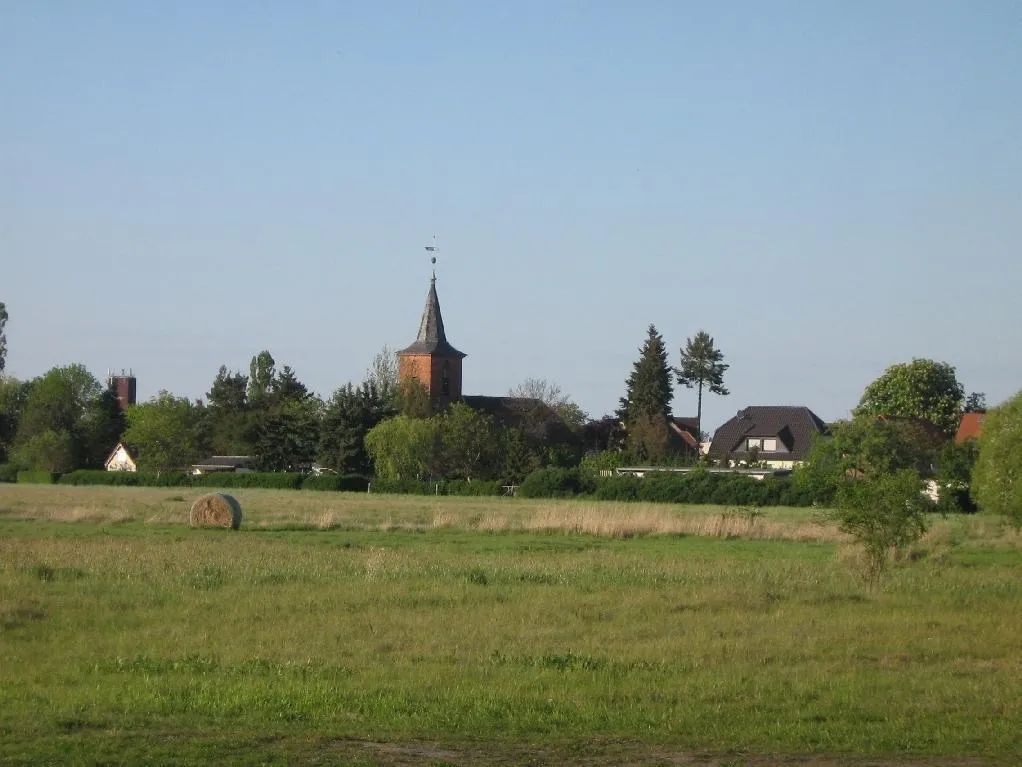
(431, 359)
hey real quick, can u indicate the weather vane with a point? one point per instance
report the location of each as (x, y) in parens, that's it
(433, 250)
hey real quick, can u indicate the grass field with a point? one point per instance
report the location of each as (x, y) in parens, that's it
(342, 628)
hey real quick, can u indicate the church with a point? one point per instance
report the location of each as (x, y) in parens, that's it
(434, 363)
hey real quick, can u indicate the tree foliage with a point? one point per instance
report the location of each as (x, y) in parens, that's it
(48, 450)
(403, 447)
(163, 432)
(347, 417)
(551, 395)
(3, 336)
(383, 376)
(976, 402)
(469, 442)
(883, 512)
(413, 399)
(70, 401)
(921, 388)
(997, 477)
(649, 388)
(262, 372)
(13, 394)
(702, 366)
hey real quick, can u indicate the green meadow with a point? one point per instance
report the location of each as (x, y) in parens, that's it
(371, 629)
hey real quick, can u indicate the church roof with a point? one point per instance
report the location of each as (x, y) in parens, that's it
(431, 338)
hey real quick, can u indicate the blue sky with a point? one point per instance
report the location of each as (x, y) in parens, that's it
(826, 187)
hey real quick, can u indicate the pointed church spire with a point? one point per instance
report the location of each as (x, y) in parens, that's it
(431, 338)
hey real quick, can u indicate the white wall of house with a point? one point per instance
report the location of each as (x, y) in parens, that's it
(120, 460)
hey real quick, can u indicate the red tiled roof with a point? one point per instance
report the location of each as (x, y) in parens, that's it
(970, 427)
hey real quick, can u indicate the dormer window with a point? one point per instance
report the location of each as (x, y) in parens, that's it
(755, 443)
(770, 445)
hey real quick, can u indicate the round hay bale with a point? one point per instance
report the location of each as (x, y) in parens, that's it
(215, 510)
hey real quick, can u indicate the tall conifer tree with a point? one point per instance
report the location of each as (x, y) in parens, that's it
(702, 366)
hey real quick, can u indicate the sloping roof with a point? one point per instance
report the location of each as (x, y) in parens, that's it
(686, 430)
(970, 427)
(794, 425)
(684, 434)
(533, 416)
(431, 338)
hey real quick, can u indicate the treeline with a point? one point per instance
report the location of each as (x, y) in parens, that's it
(66, 420)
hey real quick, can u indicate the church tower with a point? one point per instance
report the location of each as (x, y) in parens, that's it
(431, 360)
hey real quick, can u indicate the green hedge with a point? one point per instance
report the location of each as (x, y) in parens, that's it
(334, 482)
(476, 487)
(8, 472)
(694, 487)
(270, 480)
(126, 478)
(557, 483)
(38, 477)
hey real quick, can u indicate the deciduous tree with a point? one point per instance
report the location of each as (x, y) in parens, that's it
(997, 477)
(163, 432)
(883, 512)
(383, 375)
(702, 365)
(262, 372)
(921, 388)
(551, 395)
(403, 447)
(47, 450)
(59, 402)
(469, 443)
(13, 394)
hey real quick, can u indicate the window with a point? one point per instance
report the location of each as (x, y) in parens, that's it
(770, 445)
(445, 379)
(754, 443)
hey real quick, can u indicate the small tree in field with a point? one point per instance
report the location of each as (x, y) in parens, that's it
(883, 512)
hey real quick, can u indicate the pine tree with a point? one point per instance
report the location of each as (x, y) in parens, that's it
(649, 387)
(702, 365)
(646, 405)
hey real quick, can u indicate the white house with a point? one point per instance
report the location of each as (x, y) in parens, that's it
(120, 459)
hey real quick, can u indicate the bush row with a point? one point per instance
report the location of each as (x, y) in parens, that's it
(37, 477)
(255, 479)
(667, 487)
(8, 472)
(476, 487)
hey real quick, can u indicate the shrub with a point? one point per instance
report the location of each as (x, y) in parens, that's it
(997, 477)
(335, 482)
(270, 480)
(555, 482)
(403, 486)
(126, 478)
(477, 487)
(324, 482)
(883, 512)
(8, 472)
(38, 477)
(617, 488)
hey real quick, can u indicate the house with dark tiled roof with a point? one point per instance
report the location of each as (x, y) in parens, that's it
(970, 427)
(437, 366)
(778, 436)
